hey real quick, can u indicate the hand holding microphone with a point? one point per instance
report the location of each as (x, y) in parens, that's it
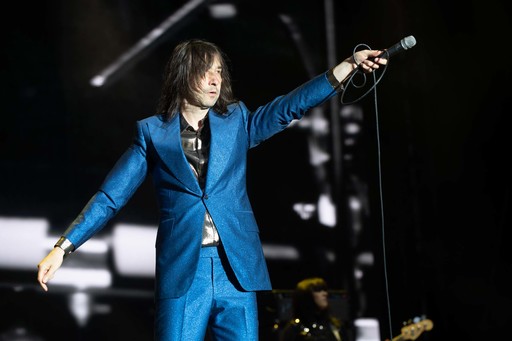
(365, 62)
(370, 59)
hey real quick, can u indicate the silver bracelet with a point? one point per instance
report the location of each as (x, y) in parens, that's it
(65, 245)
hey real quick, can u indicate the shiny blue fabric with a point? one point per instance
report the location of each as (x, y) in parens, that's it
(212, 304)
(157, 151)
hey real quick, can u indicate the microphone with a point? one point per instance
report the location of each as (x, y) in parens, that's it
(404, 44)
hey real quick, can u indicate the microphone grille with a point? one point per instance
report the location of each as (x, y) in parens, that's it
(408, 42)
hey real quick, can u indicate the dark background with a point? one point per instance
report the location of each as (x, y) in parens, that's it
(440, 138)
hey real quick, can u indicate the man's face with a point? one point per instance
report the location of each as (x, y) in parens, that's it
(209, 86)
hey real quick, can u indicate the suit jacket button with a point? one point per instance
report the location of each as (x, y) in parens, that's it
(205, 196)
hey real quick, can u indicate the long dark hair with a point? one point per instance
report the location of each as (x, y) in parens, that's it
(187, 65)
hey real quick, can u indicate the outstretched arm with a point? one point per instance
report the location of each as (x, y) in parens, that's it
(121, 183)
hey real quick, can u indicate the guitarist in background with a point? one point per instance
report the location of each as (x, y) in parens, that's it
(311, 316)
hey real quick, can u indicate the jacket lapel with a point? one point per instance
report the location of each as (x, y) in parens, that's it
(167, 141)
(223, 136)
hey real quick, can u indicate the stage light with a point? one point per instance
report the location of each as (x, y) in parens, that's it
(355, 204)
(367, 329)
(326, 211)
(352, 128)
(304, 210)
(223, 11)
(280, 252)
(134, 250)
(21, 242)
(82, 278)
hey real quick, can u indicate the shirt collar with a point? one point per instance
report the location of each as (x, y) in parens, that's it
(184, 124)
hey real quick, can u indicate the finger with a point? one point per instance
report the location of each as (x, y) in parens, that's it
(378, 56)
(41, 272)
(44, 275)
(381, 61)
(372, 65)
(367, 66)
(44, 286)
(48, 276)
(41, 278)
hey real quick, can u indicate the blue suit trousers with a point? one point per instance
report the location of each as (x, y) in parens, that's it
(215, 303)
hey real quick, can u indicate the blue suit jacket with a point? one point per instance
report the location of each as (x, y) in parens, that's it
(157, 150)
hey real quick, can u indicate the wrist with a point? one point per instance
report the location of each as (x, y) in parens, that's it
(335, 83)
(65, 245)
(341, 72)
(60, 251)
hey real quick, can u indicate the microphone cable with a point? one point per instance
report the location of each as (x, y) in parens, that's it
(350, 81)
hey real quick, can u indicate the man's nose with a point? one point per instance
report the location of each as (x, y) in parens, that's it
(213, 78)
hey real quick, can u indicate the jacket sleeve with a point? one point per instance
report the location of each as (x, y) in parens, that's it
(276, 115)
(118, 187)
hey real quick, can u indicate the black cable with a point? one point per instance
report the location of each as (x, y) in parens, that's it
(382, 208)
(350, 82)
